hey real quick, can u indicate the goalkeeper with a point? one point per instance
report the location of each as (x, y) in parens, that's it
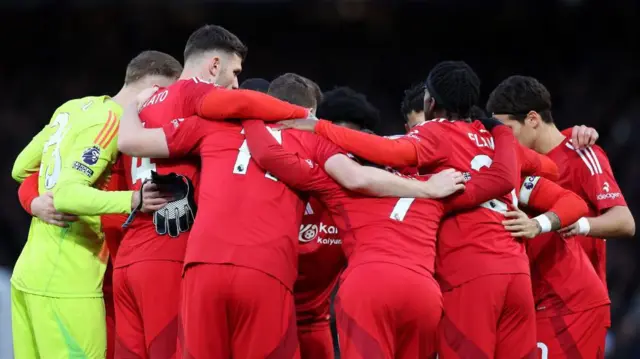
(56, 296)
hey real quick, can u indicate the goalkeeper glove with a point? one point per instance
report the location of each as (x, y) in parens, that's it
(178, 215)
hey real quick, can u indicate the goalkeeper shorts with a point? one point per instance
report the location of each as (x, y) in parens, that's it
(52, 328)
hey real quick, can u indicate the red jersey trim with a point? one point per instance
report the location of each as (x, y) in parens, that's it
(589, 158)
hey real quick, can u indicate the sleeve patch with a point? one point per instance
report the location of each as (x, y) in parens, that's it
(91, 155)
(82, 169)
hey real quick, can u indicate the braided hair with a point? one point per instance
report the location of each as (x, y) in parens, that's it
(454, 86)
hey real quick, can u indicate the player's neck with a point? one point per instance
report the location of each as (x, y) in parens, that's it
(126, 95)
(548, 139)
(190, 72)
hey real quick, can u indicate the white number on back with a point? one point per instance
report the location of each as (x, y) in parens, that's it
(54, 166)
(244, 156)
(481, 161)
(143, 171)
(401, 208)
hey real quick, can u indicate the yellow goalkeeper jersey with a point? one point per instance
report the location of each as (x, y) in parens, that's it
(74, 154)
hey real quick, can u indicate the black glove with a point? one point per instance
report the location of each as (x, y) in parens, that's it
(178, 215)
(490, 123)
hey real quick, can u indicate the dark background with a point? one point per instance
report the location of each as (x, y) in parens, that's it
(585, 52)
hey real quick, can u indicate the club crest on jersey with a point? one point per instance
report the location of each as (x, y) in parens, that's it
(91, 155)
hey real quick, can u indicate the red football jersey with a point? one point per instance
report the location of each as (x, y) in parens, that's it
(587, 173)
(320, 262)
(245, 217)
(166, 106)
(471, 243)
(562, 277)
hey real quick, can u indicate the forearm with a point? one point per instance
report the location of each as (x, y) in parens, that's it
(379, 183)
(137, 141)
(616, 222)
(83, 200)
(221, 104)
(380, 150)
(496, 181)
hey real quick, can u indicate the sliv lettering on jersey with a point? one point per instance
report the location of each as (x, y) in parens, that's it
(482, 141)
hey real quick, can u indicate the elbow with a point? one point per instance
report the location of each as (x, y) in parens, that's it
(629, 227)
(17, 174)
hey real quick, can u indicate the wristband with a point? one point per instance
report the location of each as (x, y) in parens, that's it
(583, 226)
(544, 222)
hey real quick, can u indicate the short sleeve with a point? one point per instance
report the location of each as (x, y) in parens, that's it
(184, 135)
(427, 138)
(596, 177)
(192, 92)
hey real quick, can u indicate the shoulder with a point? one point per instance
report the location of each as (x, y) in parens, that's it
(591, 160)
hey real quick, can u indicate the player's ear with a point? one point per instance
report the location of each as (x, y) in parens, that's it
(214, 66)
(533, 119)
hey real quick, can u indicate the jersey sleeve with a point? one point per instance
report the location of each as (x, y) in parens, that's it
(218, 103)
(28, 191)
(184, 135)
(494, 182)
(321, 149)
(394, 152)
(295, 171)
(543, 195)
(534, 164)
(28, 161)
(595, 176)
(92, 150)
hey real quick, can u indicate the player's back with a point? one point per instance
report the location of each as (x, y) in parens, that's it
(246, 217)
(68, 261)
(141, 241)
(472, 243)
(392, 230)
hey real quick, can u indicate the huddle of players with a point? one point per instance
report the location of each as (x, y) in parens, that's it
(254, 184)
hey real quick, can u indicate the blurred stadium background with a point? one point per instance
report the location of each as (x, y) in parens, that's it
(583, 51)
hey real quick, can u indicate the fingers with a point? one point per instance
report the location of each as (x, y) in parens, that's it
(448, 170)
(68, 217)
(57, 223)
(513, 214)
(459, 187)
(286, 124)
(48, 195)
(153, 207)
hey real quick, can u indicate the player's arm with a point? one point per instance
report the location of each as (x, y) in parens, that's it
(393, 152)
(91, 152)
(493, 182)
(28, 161)
(603, 193)
(533, 163)
(137, 141)
(559, 207)
(299, 173)
(222, 104)
(41, 206)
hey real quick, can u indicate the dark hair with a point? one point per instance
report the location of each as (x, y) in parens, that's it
(517, 95)
(454, 86)
(150, 63)
(255, 84)
(343, 104)
(413, 100)
(475, 112)
(295, 89)
(213, 37)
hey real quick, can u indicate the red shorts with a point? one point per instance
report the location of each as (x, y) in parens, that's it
(236, 312)
(384, 310)
(315, 341)
(489, 317)
(577, 335)
(147, 301)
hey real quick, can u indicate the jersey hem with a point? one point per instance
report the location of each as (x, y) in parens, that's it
(53, 294)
